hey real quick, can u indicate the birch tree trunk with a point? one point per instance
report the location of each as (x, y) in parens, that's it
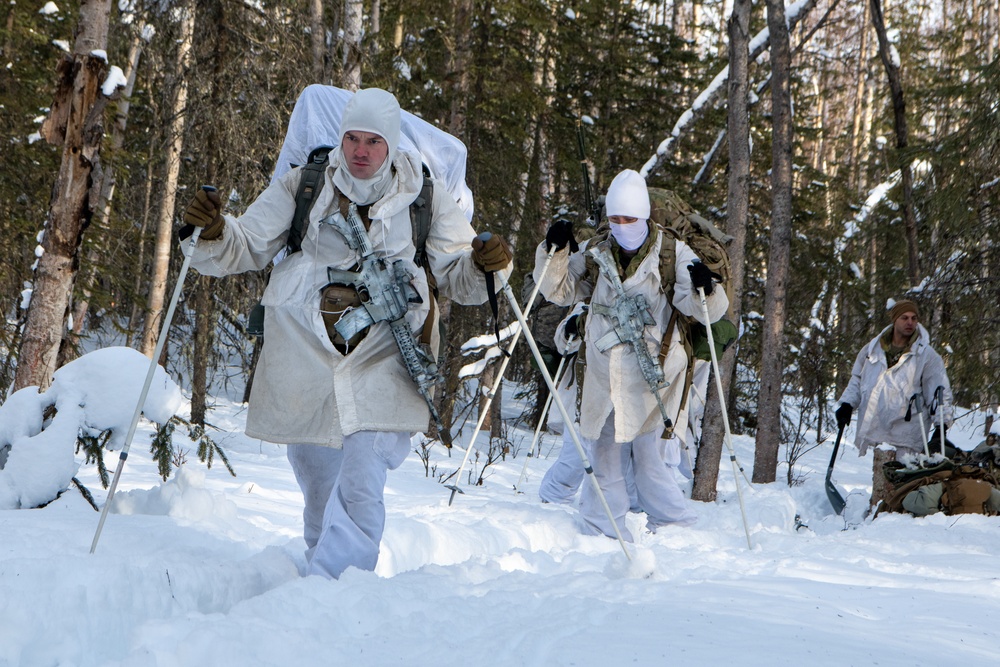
(890, 59)
(860, 74)
(76, 123)
(706, 473)
(772, 355)
(317, 40)
(164, 229)
(353, 12)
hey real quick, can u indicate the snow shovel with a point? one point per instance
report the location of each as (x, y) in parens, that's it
(164, 330)
(938, 406)
(832, 492)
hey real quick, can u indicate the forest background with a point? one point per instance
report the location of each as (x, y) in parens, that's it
(854, 158)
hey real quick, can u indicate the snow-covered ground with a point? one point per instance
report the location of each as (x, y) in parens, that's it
(204, 570)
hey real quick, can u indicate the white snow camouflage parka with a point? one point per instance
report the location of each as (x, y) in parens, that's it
(881, 395)
(305, 391)
(613, 379)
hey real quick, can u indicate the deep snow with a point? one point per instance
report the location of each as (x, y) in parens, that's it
(204, 570)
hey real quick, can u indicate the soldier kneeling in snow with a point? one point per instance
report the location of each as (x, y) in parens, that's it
(894, 368)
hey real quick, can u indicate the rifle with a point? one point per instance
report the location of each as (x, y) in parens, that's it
(631, 317)
(386, 292)
(593, 205)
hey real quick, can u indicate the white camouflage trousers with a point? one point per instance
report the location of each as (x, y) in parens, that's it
(563, 478)
(654, 461)
(343, 490)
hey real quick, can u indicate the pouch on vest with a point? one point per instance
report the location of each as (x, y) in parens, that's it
(723, 333)
(335, 300)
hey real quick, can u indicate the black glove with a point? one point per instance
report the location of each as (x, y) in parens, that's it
(572, 327)
(206, 211)
(560, 235)
(491, 253)
(843, 414)
(702, 276)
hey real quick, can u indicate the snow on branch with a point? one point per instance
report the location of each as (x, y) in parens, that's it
(489, 345)
(877, 194)
(794, 13)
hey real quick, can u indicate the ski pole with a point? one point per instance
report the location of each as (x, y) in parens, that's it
(496, 383)
(538, 427)
(725, 414)
(160, 341)
(917, 402)
(939, 403)
(567, 420)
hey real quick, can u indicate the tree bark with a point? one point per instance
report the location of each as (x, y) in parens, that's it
(204, 305)
(772, 355)
(353, 11)
(76, 123)
(71, 341)
(449, 361)
(860, 76)
(164, 229)
(890, 59)
(317, 40)
(706, 473)
(460, 60)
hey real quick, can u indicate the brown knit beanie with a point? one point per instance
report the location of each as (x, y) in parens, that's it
(901, 307)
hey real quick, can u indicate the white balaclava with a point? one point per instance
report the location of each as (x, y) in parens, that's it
(370, 110)
(628, 197)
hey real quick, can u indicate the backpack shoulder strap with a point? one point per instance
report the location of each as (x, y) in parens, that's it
(600, 235)
(310, 185)
(420, 218)
(668, 260)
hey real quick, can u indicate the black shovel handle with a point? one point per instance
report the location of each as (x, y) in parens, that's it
(832, 492)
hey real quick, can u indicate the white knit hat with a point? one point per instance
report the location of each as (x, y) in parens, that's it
(373, 110)
(628, 196)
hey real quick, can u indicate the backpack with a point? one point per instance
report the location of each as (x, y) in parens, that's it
(965, 482)
(952, 489)
(310, 185)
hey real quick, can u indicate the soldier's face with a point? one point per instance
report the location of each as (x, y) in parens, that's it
(906, 324)
(364, 153)
(622, 219)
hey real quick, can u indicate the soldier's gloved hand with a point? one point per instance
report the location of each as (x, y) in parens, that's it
(490, 253)
(559, 235)
(703, 277)
(205, 211)
(843, 414)
(572, 327)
